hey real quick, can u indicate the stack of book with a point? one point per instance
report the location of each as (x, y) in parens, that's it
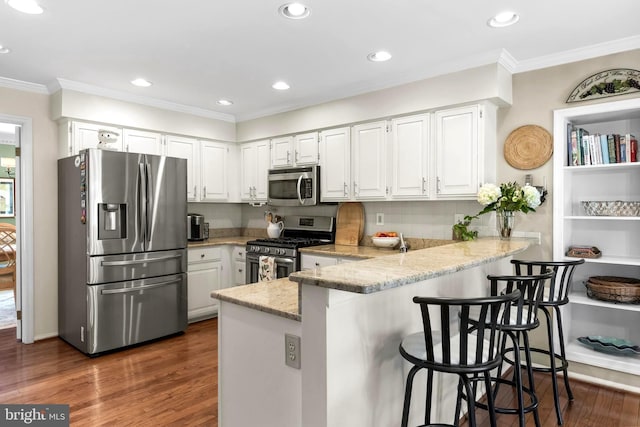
(586, 149)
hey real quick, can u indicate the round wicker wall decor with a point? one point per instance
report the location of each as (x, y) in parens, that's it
(528, 147)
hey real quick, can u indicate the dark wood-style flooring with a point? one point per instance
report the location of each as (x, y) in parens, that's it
(174, 382)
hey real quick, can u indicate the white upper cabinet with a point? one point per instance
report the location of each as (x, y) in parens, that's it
(369, 161)
(213, 171)
(335, 164)
(254, 165)
(465, 150)
(296, 150)
(76, 136)
(305, 149)
(282, 152)
(186, 148)
(410, 147)
(138, 141)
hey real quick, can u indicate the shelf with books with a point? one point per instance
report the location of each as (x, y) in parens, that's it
(617, 237)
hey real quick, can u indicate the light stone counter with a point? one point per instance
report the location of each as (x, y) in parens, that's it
(370, 251)
(217, 241)
(279, 297)
(385, 272)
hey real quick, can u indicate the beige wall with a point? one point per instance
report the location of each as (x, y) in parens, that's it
(45, 203)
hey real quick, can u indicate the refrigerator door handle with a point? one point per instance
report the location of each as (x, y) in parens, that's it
(139, 288)
(142, 220)
(138, 261)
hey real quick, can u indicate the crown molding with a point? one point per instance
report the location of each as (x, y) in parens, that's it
(507, 61)
(23, 86)
(143, 100)
(581, 54)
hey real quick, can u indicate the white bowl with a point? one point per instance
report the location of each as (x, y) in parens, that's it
(385, 242)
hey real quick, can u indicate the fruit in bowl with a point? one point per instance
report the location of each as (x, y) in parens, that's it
(385, 239)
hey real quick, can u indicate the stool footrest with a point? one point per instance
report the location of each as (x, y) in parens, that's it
(527, 408)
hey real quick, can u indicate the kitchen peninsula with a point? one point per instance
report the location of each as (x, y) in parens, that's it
(350, 319)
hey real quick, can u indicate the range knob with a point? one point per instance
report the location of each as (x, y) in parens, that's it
(266, 250)
(281, 251)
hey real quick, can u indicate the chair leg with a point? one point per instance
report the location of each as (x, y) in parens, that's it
(459, 401)
(471, 401)
(552, 364)
(490, 400)
(527, 354)
(427, 405)
(563, 354)
(407, 395)
(517, 372)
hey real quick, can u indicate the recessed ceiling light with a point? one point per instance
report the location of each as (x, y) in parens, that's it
(280, 85)
(379, 56)
(224, 102)
(4, 49)
(141, 82)
(503, 19)
(294, 10)
(25, 6)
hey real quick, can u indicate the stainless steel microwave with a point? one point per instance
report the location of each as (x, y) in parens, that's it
(298, 186)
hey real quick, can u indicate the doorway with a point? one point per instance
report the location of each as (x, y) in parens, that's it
(9, 306)
(24, 225)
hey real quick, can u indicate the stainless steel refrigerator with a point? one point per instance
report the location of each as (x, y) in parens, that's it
(122, 239)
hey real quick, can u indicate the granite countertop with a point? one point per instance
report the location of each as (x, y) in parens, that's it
(370, 251)
(385, 272)
(279, 297)
(217, 241)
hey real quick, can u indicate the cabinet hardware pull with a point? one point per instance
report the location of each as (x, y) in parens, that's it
(204, 192)
(438, 185)
(424, 181)
(195, 190)
(201, 255)
(288, 156)
(355, 189)
(346, 193)
(296, 155)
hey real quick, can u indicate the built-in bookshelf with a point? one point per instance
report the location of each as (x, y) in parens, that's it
(618, 237)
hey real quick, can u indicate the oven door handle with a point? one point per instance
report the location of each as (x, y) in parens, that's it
(284, 260)
(300, 190)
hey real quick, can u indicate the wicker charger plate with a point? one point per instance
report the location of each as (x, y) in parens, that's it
(528, 147)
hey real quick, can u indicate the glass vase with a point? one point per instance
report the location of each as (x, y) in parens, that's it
(505, 222)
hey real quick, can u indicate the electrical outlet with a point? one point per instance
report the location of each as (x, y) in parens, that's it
(292, 351)
(458, 218)
(379, 218)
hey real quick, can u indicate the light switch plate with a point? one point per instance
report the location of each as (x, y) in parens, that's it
(379, 218)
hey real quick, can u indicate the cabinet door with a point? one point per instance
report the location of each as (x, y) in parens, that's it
(138, 141)
(203, 279)
(306, 149)
(335, 164)
(457, 161)
(213, 171)
(370, 160)
(254, 164)
(282, 152)
(248, 162)
(410, 154)
(85, 135)
(186, 148)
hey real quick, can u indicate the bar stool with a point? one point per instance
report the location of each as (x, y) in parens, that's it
(553, 299)
(521, 318)
(450, 346)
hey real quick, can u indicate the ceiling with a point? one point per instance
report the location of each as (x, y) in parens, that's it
(198, 51)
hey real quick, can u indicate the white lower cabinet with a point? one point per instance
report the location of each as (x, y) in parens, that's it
(204, 273)
(238, 263)
(309, 262)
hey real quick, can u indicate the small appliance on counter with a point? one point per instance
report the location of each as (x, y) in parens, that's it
(197, 229)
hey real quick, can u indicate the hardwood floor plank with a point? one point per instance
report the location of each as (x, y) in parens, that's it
(167, 382)
(174, 382)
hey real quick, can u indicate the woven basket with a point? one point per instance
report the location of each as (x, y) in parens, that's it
(611, 208)
(614, 289)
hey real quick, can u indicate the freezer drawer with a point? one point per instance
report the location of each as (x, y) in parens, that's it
(119, 268)
(126, 313)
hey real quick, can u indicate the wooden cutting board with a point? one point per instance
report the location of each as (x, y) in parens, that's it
(349, 223)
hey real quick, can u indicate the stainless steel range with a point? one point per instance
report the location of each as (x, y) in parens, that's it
(299, 232)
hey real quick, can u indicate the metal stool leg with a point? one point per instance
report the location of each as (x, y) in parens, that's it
(563, 354)
(527, 355)
(407, 395)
